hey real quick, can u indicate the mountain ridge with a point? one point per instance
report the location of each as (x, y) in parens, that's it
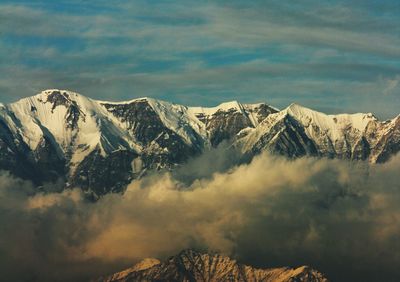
(101, 146)
(190, 265)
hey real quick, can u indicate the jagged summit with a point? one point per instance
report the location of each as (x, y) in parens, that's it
(51, 95)
(190, 265)
(58, 92)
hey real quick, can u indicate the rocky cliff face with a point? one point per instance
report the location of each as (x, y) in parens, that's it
(190, 265)
(101, 146)
(227, 120)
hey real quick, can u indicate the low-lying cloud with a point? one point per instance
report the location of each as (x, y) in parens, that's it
(340, 217)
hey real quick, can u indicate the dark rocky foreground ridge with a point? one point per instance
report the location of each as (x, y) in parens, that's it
(101, 146)
(190, 266)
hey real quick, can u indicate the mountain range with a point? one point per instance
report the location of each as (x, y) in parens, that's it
(190, 265)
(102, 146)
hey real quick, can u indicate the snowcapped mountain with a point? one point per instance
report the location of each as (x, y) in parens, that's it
(297, 131)
(190, 265)
(101, 146)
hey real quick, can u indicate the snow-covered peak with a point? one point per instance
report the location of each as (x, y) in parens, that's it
(297, 107)
(75, 122)
(227, 106)
(179, 119)
(53, 98)
(258, 105)
(332, 123)
(57, 97)
(125, 102)
(58, 93)
(175, 117)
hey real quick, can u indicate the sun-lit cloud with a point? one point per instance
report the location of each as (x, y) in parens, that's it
(271, 212)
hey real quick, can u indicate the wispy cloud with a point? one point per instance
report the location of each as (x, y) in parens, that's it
(392, 85)
(176, 50)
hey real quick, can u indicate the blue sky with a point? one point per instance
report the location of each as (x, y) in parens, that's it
(334, 56)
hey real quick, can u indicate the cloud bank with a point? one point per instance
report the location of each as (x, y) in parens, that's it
(342, 218)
